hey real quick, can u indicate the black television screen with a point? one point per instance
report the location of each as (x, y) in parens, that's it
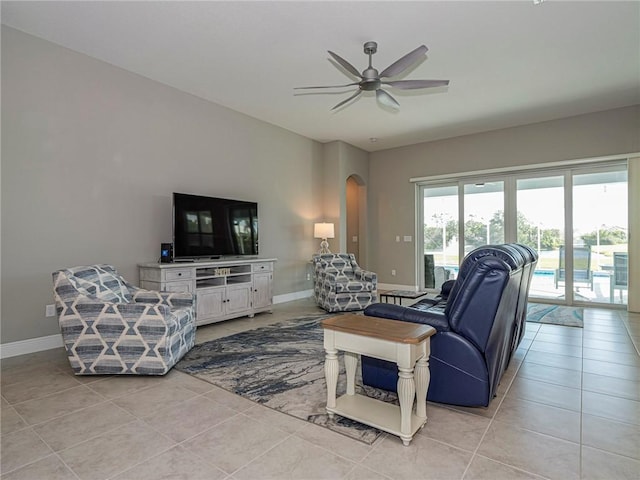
(208, 227)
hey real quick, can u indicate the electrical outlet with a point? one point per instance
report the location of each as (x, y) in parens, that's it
(393, 272)
(50, 311)
(407, 238)
(397, 238)
(308, 276)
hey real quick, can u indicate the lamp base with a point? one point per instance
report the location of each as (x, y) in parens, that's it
(324, 247)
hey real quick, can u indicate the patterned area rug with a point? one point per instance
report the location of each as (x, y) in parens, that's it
(555, 315)
(282, 367)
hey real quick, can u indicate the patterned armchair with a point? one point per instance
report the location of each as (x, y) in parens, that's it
(341, 285)
(111, 327)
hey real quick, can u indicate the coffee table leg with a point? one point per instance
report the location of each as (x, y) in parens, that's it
(406, 395)
(331, 370)
(422, 379)
(350, 365)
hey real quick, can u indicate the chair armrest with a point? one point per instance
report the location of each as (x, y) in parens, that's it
(365, 275)
(435, 318)
(171, 299)
(127, 312)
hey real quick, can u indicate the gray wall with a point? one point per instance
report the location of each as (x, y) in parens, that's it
(91, 155)
(392, 197)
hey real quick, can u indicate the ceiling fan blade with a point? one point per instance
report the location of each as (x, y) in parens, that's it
(404, 63)
(411, 84)
(358, 92)
(328, 86)
(387, 100)
(350, 68)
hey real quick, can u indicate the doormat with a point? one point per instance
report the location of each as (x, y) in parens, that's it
(555, 315)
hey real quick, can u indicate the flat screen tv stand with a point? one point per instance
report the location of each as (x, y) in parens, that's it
(224, 289)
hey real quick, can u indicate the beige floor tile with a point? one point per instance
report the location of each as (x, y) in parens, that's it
(574, 340)
(611, 386)
(116, 386)
(49, 468)
(38, 385)
(148, 401)
(82, 425)
(462, 430)
(483, 468)
(614, 408)
(598, 344)
(532, 452)
(56, 357)
(20, 373)
(612, 357)
(279, 420)
(547, 393)
(175, 464)
(599, 465)
(189, 418)
(424, 458)
(21, 448)
(11, 421)
(115, 451)
(230, 400)
(294, 459)
(361, 472)
(608, 369)
(556, 348)
(62, 403)
(553, 360)
(188, 381)
(611, 436)
(234, 443)
(554, 375)
(541, 418)
(337, 443)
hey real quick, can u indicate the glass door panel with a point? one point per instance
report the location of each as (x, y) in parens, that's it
(440, 229)
(540, 225)
(483, 214)
(600, 236)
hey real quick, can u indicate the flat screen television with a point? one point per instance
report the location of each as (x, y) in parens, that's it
(210, 227)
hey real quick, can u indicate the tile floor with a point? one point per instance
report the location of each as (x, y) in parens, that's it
(568, 408)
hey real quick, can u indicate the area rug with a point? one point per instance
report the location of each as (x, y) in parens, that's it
(281, 367)
(555, 315)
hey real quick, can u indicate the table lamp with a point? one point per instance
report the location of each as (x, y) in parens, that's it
(323, 231)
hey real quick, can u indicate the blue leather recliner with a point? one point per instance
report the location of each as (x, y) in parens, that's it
(479, 325)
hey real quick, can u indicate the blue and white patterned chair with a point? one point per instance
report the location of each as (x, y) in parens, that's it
(341, 285)
(111, 327)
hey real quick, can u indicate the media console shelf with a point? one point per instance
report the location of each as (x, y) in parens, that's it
(224, 288)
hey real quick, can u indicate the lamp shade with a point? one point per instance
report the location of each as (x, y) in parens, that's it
(323, 230)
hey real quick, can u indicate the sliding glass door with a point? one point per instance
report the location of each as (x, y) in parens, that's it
(600, 236)
(575, 218)
(540, 224)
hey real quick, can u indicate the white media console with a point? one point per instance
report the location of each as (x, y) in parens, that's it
(224, 289)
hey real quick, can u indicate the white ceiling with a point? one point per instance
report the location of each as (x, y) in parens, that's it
(509, 62)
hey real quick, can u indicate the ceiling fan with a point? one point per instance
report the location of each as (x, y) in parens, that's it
(371, 80)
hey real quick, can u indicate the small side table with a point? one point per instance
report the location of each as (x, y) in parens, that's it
(407, 344)
(398, 295)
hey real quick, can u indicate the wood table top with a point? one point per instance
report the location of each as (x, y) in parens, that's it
(382, 328)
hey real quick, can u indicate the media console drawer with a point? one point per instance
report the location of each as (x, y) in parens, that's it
(179, 274)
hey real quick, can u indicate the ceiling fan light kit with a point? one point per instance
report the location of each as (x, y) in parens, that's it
(372, 81)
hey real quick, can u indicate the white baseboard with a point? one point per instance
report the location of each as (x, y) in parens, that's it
(290, 297)
(31, 345)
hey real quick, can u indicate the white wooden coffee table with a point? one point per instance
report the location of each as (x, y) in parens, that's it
(406, 344)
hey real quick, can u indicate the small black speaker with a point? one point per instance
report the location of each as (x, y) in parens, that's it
(166, 253)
